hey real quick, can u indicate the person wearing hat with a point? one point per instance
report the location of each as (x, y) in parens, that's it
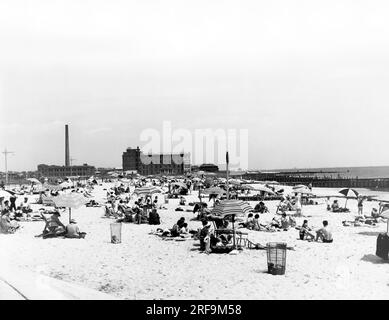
(73, 231)
(53, 227)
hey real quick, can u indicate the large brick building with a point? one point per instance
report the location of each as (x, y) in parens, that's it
(169, 164)
(66, 171)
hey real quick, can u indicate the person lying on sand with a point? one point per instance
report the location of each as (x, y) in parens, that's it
(324, 234)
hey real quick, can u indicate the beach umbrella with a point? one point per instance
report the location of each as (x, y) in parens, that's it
(147, 190)
(235, 181)
(348, 192)
(272, 182)
(180, 184)
(71, 200)
(210, 174)
(34, 180)
(302, 189)
(5, 194)
(246, 187)
(299, 186)
(214, 190)
(231, 208)
(263, 189)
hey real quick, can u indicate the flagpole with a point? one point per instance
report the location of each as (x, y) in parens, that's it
(228, 189)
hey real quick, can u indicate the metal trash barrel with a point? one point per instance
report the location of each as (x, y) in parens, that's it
(116, 232)
(276, 258)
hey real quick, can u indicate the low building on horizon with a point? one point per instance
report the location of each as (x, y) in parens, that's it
(66, 171)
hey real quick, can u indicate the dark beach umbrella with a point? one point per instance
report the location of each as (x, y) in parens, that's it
(348, 192)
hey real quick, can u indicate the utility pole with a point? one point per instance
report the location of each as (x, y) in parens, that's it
(6, 153)
(71, 163)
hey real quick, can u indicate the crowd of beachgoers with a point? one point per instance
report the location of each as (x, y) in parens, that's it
(136, 200)
(203, 213)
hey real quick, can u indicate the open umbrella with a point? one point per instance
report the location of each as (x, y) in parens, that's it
(5, 194)
(71, 200)
(180, 184)
(264, 189)
(147, 190)
(235, 181)
(348, 192)
(302, 189)
(233, 208)
(34, 180)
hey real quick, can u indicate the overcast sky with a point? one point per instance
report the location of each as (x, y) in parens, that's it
(308, 79)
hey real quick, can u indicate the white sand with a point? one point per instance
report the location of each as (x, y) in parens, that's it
(144, 266)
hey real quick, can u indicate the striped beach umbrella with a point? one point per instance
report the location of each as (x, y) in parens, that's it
(147, 190)
(348, 192)
(71, 200)
(232, 207)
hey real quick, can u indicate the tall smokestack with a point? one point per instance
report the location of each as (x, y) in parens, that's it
(67, 156)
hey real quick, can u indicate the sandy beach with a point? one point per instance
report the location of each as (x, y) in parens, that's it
(144, 266)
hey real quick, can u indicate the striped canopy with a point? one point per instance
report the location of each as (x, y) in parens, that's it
(147, 190)
(349, 192)
(231, 207)
(70, 200)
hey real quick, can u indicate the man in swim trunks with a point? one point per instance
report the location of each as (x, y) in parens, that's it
(324, 234)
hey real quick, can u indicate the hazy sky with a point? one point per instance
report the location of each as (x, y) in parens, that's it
(308, 79)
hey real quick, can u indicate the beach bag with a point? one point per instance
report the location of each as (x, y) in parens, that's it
(383, 246)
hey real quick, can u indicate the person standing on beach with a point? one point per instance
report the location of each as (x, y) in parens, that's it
(360, 206)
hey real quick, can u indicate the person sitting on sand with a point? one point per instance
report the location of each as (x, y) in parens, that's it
(175, 231)
(335, 206)
(184, 229)
(305, 232)
(182, 201)
(285, 222)
(204, 235)
(54, 226)
(73, 231)
(256, 225)
(154, 218)
(6, 225)
(324, 234)
(249, 222)
(26, 208)
(374, 213)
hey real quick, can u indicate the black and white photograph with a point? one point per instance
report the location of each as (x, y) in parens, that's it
(180, 150)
